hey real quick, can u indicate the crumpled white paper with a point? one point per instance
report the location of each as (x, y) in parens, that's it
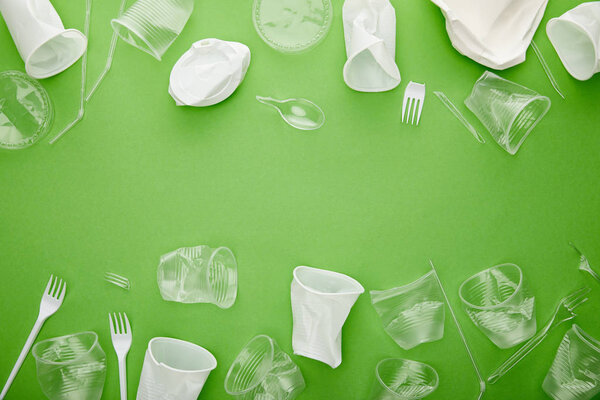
(494, 33)
(370, 34)
(209, 72)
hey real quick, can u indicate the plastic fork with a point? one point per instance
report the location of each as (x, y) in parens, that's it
(563, 312)
(414, 97)
(117, 280)
(584, 264)
(121, 335)
(52, 299)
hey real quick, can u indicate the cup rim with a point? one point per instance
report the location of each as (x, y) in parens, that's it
(359, 288)
(586, 338)
(210, 262)
(38, 357)
(405, 360)
(519, 287)
(271, 357)
(187, 344)
(150, 48)
(47, 74)
(574, 24)
(403, 288)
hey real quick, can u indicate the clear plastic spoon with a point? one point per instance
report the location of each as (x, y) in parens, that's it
(298, 113)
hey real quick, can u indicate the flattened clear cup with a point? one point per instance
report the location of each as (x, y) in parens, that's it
(400, 379)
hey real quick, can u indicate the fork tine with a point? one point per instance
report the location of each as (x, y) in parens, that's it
(121, 324)
(576, 295)
(112, 326)
(414, 111)
(53, 286)
(408, 109)
(63, 291)
(574, 306)
(47, 291)
(127, 323)
(420, 109)
(404, 106)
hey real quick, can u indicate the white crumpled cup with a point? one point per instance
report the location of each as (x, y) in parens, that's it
(575, 36)
(209, 72)
(174, 370)
(321, 302)
(46, 47)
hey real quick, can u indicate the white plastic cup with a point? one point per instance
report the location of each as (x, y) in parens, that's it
(321, 302)
(575, 36)
(46, 47)
(174, 369)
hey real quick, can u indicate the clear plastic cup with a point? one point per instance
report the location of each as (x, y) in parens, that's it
(262, 371)
(508, 110)
(412, 314)
(71, 367)
(400, 379)
(575, 372)
(199, 275)
(153, 25)
(500, 304)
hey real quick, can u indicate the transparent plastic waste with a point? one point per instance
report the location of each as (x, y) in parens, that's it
(321, 302)
(199, 275)
(153, 25)
(117, 280)
(508, 110)
(400, 379)
(292, 26)
(71, 367)
(46, 47)
(499, 302)
(412, 314)
(261, 371)
(26, 111)
(546, 68)
(456, 112)
(575, 36)
(174, 370)
(584, 264)
(575, 372)
(298, 113)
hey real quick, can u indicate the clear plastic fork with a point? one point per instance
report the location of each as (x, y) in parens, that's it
(563, 312)
(121, 335)
(52, 299)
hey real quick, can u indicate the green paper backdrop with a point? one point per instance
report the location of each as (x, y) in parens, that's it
(364, 195)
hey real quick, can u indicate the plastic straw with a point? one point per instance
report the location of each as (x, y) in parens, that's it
(450, 106)
(86, 29)
(546, 68)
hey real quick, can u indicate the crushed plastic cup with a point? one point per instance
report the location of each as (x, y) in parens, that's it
(174, 369)
(199, 275)
(508, 110)
(321, 302)
(46, 47)
(499, 302)
(153, 25)
(400, 379)
(575, 36)
(575, 372)
(263, 371)
(412, 314)
(71, 367)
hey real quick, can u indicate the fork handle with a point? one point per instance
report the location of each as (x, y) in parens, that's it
(123, 377)
(32, 336)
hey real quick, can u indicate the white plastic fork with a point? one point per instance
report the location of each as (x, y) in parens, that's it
(51, 302)
(121, 335)
(414, 97)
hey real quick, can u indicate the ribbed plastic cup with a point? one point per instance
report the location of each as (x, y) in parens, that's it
(412, 314)
(262, 371)
(508, 110)
(400, 379)
(575, 372)
(153, 25)
(71, 367)
(498, 302)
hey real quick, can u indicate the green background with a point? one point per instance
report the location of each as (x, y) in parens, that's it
(364, 195)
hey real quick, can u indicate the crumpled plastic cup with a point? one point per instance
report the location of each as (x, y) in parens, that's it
(46, 47)
(400, 379)
(321, 302)
(412, 314)
(153, 25)
(71, 367)
(199, 275)
(174, 370)
(575, 36)
(261, 371)
(575, 372)
(508, 110)
(499, 302)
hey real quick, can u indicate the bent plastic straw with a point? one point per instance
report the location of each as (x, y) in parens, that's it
(462, 335)
(546, 68)
(450, 106)
(86, 32)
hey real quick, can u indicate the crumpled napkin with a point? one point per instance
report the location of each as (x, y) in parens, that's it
(208, 73)
(370, 34)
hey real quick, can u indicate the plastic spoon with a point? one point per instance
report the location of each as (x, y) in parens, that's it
(298, 113)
